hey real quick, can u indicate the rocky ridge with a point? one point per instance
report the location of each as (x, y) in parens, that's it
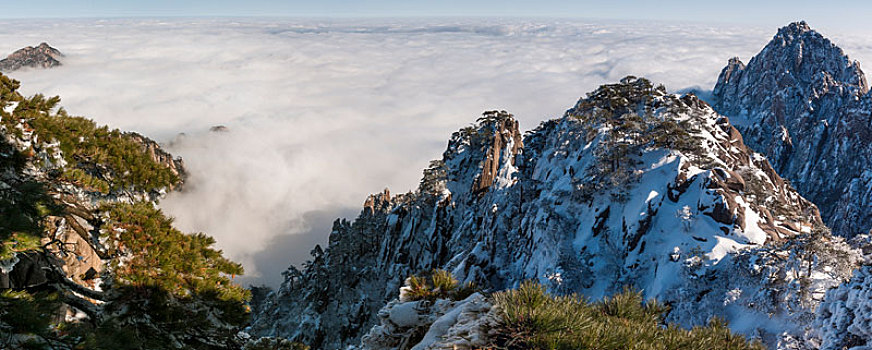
(632, 187)
(41, 56)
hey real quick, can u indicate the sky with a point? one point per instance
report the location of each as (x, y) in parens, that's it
(322, 112)
(841, 15)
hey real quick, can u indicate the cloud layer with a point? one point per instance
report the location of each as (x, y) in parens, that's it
(322, 113)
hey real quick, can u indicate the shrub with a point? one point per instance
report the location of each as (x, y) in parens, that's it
(443, 281)
(147, 251)
(439, 284)
(533, 319)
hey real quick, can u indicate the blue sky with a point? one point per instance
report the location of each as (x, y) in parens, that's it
(839, 14)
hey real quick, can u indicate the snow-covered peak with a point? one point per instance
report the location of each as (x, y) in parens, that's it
(805, 105)
(632, 186)
(798, 57)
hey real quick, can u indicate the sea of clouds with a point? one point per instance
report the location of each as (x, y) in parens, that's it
(320, 113)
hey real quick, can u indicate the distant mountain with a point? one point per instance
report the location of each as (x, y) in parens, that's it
(41, 56)
(806, 106)
(632, 187)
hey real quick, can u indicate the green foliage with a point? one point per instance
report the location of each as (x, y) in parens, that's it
(23, 205)
(8, 93)
(98, 159)
(28, 314)
(493, 117)
(438, 284)
(164, 289)
(112, 159)
(170, 290)
(434, 178)
(443, 281)
(418, 288)
(152, 318)
(147, 251)
(630, 95)
(533, 319)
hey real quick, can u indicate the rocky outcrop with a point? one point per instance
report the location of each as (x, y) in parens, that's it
(164, 158)
(506, 141)
(805, 105)
(425, 325)
(633, 186)
(41, 56)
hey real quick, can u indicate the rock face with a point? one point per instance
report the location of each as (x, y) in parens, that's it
(632, 186)
(806, 106)
(175, 164)
(41, 56)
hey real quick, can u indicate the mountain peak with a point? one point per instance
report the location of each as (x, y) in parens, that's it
(800, 101)
(795, 28)
(633, 186)
(797, 56)
(631, 94)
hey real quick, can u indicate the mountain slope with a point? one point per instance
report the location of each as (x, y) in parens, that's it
(632, 187)
(804, 105)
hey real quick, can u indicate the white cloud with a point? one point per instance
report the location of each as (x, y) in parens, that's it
(321, 113)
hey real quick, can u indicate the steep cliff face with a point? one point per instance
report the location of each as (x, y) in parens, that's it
(41, 56)
(804, 105)
(632, 187)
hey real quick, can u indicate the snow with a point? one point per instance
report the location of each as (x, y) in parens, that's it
(752, 232)
(656, 231)
(651, 196)
(846, 314)
(732, 296)
(443, 324)
(7, 265)
(723, 247)
(405, 314)
(10, 107)
(448, 324)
